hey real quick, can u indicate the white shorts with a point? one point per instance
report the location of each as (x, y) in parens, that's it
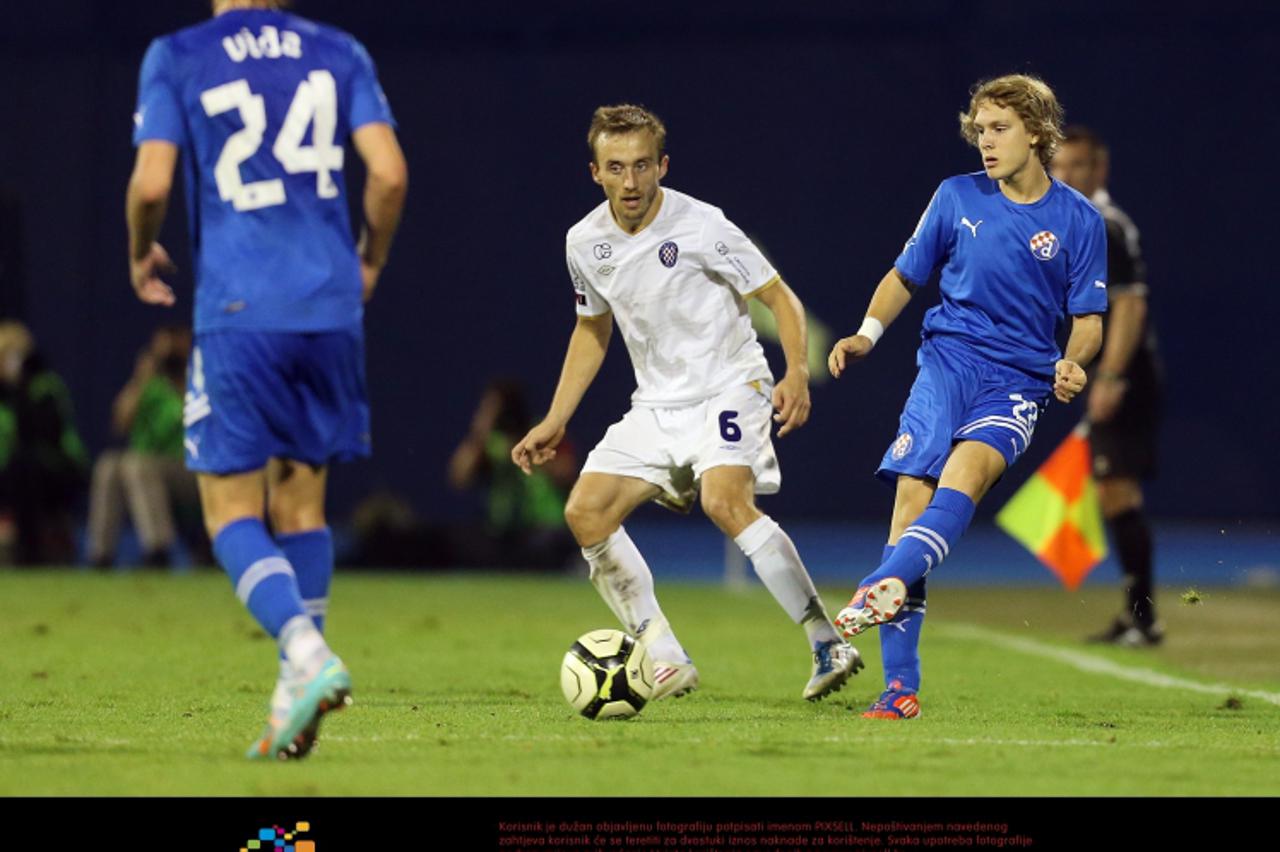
(673, 447)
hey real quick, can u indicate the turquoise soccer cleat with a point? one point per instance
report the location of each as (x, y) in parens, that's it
(292, 729)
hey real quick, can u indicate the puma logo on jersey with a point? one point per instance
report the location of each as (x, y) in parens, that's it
(972, 226)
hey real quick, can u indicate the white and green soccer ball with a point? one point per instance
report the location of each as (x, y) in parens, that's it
(606, 674)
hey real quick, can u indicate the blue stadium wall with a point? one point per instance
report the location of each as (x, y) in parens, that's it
(822, 129)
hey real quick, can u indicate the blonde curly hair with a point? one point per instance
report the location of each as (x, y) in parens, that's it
(1033, 101)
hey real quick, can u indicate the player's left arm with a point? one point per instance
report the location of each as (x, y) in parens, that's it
(146, 201)
(1086, 302)
(386, 186)
(1085, 340)
(791, 395)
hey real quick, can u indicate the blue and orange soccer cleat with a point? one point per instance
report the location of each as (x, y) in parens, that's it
(293, 726)
(894, 703)
(872, 605)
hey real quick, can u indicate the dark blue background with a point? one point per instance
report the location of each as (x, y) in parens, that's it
(820, 129)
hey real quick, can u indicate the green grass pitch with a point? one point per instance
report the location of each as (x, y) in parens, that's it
(146, 684)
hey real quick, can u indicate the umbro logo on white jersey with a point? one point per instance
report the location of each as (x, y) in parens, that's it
(972, 226)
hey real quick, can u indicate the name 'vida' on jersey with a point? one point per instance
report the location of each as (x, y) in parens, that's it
(270, 43)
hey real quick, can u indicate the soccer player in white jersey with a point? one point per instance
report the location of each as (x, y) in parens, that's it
(675, 275)
(1017, 251)
(258, 103)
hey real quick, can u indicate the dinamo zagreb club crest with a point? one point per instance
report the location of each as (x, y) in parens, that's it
(902, 446)
(1044, 245)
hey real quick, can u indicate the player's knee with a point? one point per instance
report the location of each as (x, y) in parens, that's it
(584, 518)
(289, 517)
(729, 512)
(216, 522)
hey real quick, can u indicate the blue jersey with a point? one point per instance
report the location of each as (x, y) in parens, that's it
(1010, 272)
(261, 103)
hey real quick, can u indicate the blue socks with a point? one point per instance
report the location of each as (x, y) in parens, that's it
(311, 555)
(927, 542)
(900, 640)
(922, 547)
(263, 578)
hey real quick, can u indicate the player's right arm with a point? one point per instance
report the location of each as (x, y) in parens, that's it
(928, 246)
(587, 347)
(384, 192)
(891, 296)
(146, 201)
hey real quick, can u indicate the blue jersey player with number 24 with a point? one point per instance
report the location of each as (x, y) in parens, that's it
(1018, 252)
(258, 104)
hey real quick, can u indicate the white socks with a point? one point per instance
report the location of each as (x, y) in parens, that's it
(303, 645)
(777, 563)
(622, 578)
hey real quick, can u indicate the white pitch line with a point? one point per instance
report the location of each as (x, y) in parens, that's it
(1100, 665)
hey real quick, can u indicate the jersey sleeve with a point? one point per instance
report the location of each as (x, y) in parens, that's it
(929, 244)
(588, 301)
(159, 111)
(1087, 268)
(368, 103)
(732, 257)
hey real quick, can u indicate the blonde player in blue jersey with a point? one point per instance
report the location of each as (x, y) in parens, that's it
(1019, 252)
(258, 104)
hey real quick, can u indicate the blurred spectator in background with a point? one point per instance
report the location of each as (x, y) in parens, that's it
(42, 459)
(525, 527)
(148, 477)
(388, 533)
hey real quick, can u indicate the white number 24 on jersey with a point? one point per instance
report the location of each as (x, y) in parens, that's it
(314, 103)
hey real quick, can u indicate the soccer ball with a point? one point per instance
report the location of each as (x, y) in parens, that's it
(607, 675)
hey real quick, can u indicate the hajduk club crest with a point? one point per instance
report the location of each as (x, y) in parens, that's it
(667, 253)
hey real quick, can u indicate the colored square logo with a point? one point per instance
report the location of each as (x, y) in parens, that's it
(302, 826)
(254, 844)
(266, 834)
(305, 846)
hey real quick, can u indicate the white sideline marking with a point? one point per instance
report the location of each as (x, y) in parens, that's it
(1099, 665)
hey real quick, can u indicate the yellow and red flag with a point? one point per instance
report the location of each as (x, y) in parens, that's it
(1056, 514)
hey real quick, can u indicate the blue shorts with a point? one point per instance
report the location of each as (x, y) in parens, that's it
(959, 395)
(257, 395)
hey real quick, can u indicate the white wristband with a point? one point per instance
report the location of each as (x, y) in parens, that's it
(871, 329)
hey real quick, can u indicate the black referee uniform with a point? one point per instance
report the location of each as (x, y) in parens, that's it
(1125, 445)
